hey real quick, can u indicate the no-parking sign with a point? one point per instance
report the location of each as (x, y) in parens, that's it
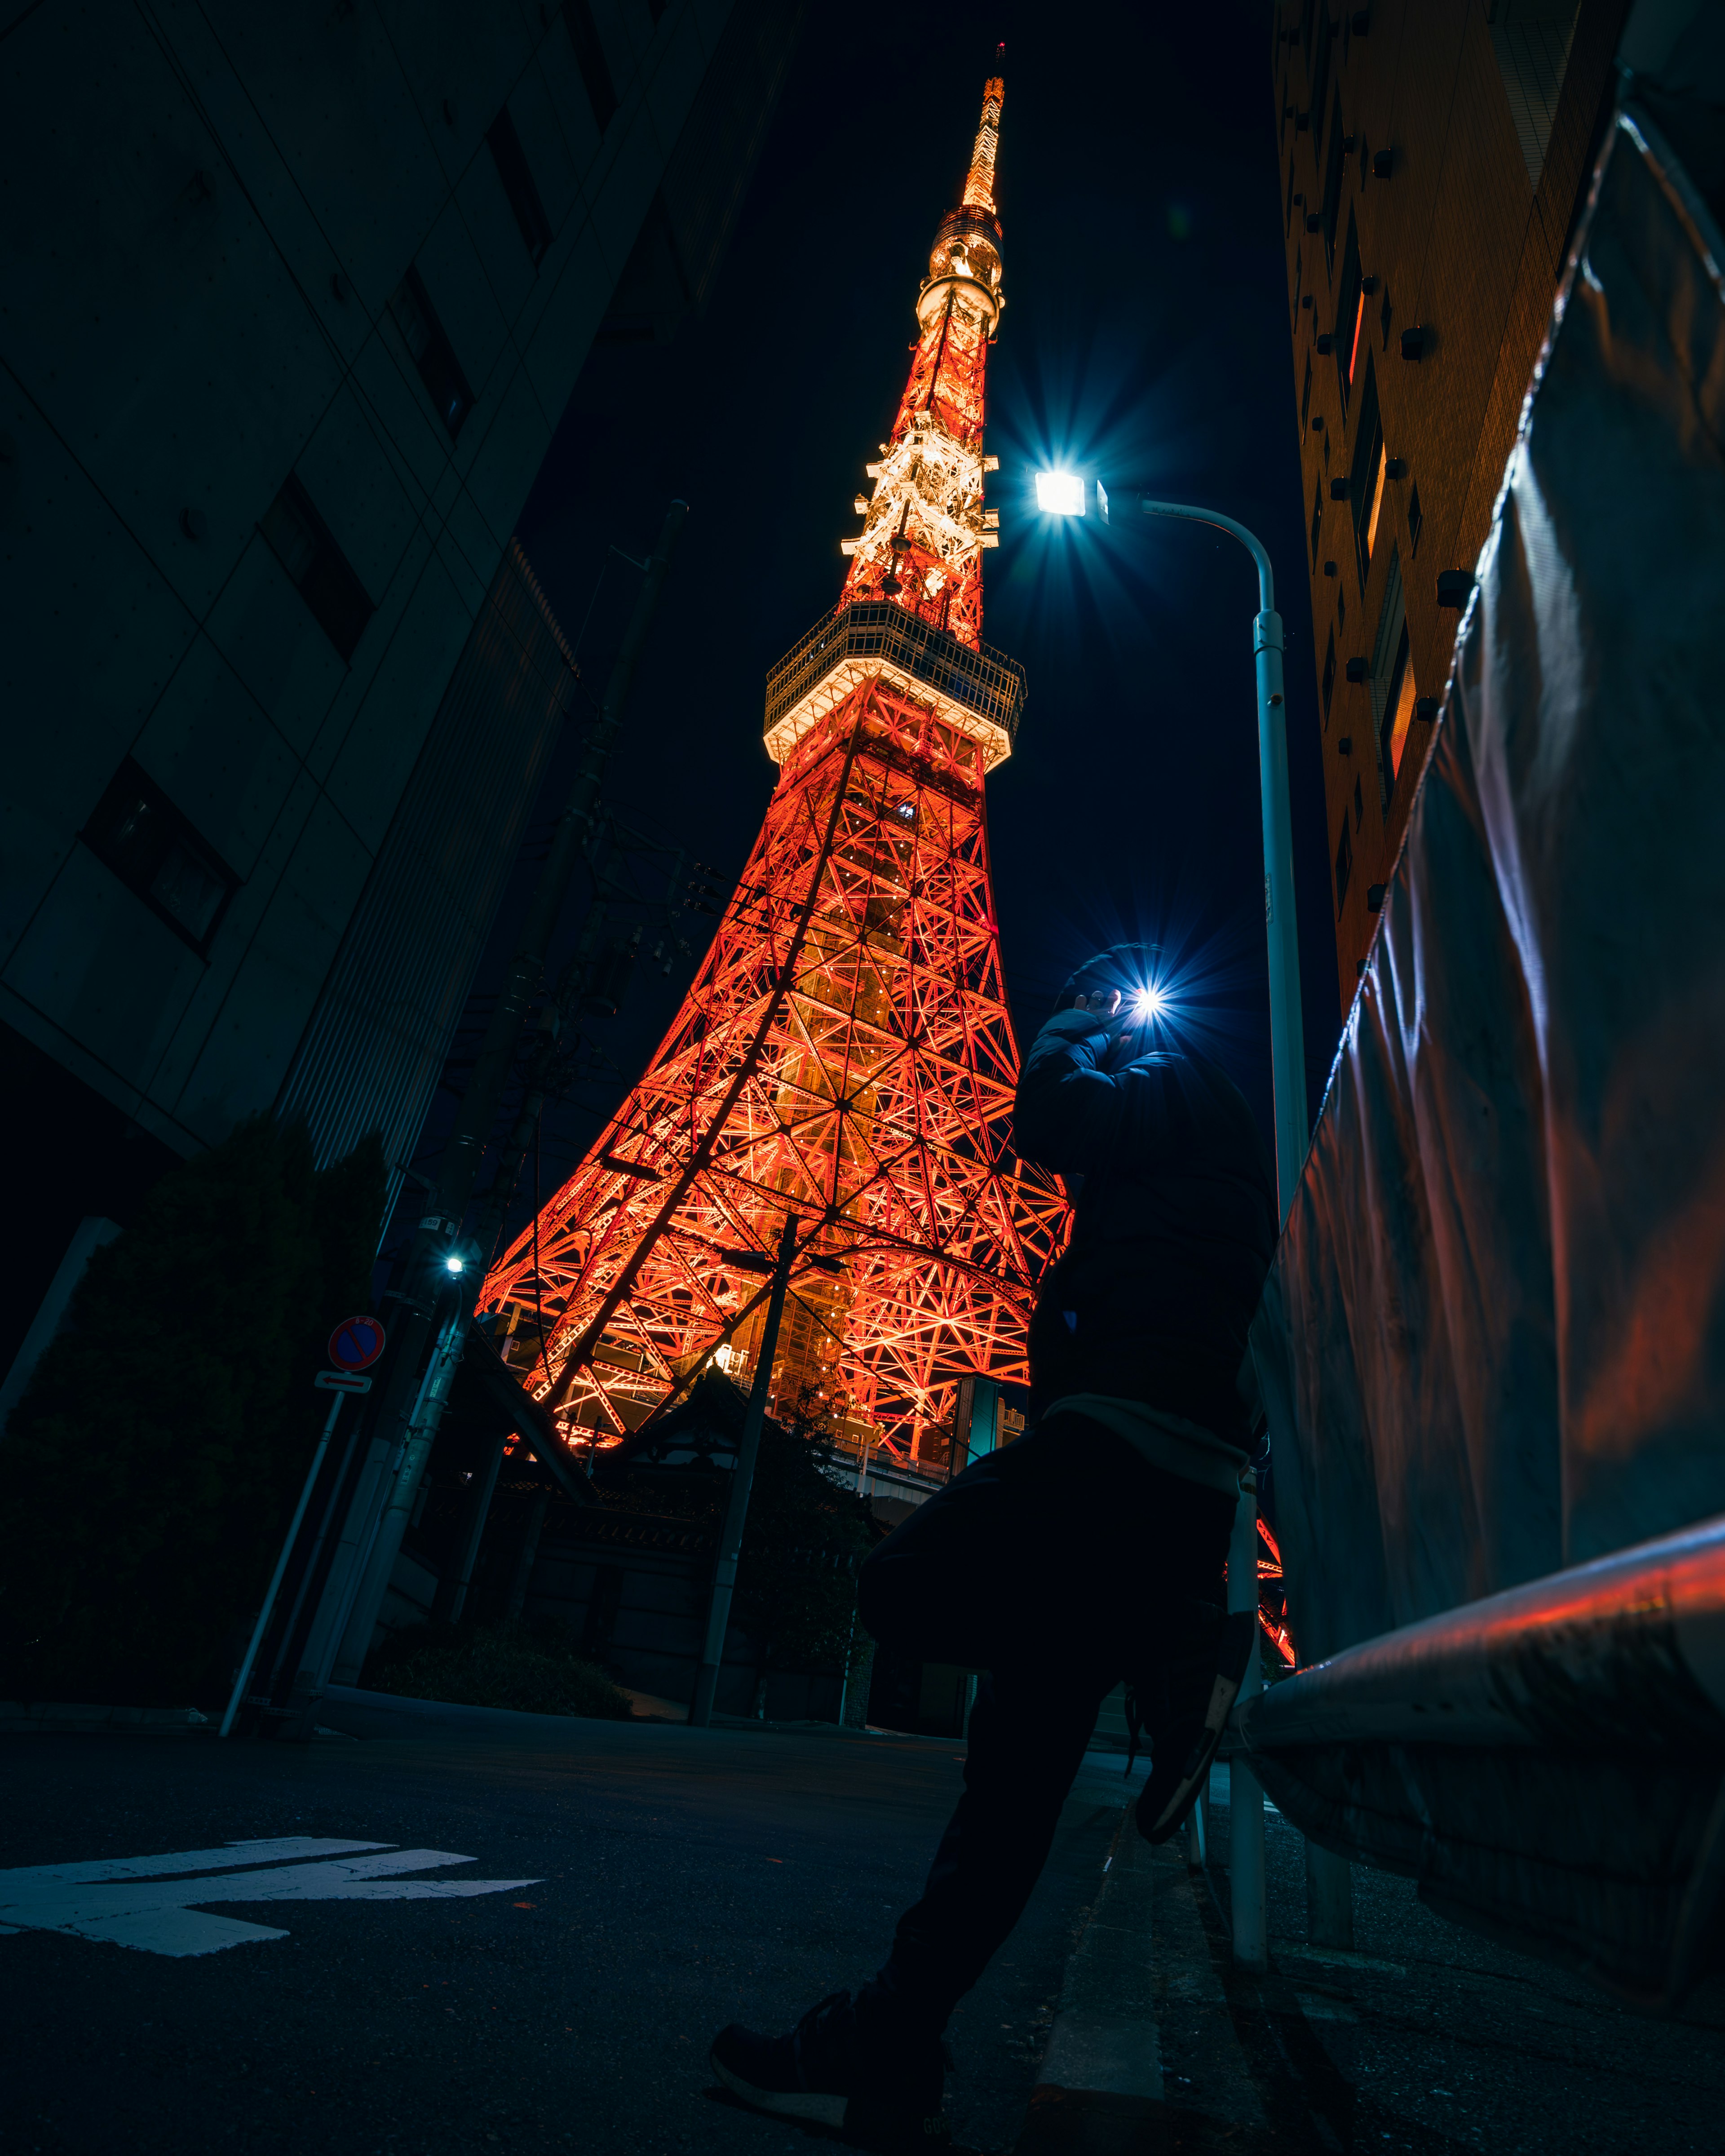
(356, 1343)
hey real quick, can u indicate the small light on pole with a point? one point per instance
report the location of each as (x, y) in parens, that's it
(1059, 494)
(455, 1265)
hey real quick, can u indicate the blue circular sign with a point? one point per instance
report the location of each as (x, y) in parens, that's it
(356, 1343)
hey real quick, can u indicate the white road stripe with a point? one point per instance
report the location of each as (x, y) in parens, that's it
(161, 1914)
(180, 1860)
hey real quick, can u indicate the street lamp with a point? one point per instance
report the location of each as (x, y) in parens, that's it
(1287, 1040)
(1062, 494)
(1059, 494)
(1287, 1063)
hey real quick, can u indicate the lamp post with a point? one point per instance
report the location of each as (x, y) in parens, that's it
(1287, 1044)
(1287, 1066)
(1065, 496)
(1329, 1892)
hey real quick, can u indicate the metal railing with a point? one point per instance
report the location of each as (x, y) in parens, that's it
(985, 682)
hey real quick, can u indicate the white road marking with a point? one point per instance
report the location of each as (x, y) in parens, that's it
(140, 1902)
(182, 1860)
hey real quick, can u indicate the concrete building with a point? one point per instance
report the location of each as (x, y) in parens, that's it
(294, 300)
(1433, 159)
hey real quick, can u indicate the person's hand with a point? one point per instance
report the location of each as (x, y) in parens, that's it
(1102, 1003)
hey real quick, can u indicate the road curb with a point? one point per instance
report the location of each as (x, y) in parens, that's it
(1143, 2024)
(18, 1718)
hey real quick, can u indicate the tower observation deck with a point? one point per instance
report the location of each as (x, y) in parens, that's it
(845, 1053)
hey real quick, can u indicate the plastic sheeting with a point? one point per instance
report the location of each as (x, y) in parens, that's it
(1493, 1343)
(1504, 1275)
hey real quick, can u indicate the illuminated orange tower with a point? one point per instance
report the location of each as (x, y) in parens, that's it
(845, 1054)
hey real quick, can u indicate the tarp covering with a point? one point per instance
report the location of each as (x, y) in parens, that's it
(1494, 1340)
(1503, 1278)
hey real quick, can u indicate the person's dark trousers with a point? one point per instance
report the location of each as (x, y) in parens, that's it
(1059, 1565)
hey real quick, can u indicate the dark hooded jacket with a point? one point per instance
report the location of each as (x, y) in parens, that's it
(1174, 1226)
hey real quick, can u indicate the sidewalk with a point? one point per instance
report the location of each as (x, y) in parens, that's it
(1424, 2038)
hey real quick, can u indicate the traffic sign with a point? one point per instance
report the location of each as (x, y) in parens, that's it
(341, 1381)
(356, 1343)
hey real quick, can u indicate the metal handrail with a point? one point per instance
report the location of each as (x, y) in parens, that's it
(984, 681)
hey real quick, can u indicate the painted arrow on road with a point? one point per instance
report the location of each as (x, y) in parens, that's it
(151, 1902)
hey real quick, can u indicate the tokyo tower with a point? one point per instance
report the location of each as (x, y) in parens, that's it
(845, 1054)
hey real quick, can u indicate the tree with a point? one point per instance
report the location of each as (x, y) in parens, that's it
(150, 1469)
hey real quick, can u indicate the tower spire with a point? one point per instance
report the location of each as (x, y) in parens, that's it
(925, 527)
(979, 182)
(845, 1054)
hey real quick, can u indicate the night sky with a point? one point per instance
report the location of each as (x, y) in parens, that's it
(1145, 341)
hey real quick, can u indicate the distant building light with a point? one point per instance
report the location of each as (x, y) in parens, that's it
(1060, 493)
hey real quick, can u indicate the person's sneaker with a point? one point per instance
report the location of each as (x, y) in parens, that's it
(834, 2071)
(1183, 1748)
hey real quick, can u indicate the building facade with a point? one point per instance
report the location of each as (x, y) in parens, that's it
(1433, 160)
(294, 301)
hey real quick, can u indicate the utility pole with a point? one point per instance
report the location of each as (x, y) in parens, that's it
(411, 1399)
(736, 1509)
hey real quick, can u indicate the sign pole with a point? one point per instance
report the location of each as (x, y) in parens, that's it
(718, 1618)
(282, 1562)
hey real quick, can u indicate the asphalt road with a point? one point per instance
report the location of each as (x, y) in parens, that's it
(681, 1879)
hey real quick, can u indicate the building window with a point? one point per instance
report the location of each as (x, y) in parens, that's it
(1344, 862)
(1329, 679)
(1383, 317)
(1398, 715)
(590, 58)
(511, 162)
(1416, 521)
(1341, 608)
(1306, 398)
(1393, 689)
(432, 352)
(155, 851)
(1368, 476)
(1319, 79)
(1317, 520)
(1350, 313)
(1380, 481)
(1333, 189)
(317, 567)
(1365, 160)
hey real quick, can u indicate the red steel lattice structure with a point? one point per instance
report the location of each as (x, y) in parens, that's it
(845, 1053)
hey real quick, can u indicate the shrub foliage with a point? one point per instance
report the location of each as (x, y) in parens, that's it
(150, 1470)
(530, 1666)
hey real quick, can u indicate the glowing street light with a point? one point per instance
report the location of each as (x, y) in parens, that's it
(1059, 494)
